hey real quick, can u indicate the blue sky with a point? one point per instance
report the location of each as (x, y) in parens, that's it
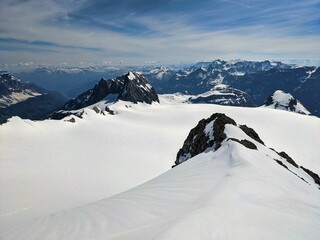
(89, 32)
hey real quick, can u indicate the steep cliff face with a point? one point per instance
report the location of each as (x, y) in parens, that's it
(137, 89)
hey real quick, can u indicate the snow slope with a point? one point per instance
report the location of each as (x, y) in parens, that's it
(62, 165)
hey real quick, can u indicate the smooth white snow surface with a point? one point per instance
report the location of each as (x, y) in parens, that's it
(234, 193)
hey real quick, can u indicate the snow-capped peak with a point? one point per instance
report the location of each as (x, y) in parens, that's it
(285, 101)
(131, 87)
(131, 76)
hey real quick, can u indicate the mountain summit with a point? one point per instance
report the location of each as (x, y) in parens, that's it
(219, 130)
(132, 87)
(285, 101)
(137, 89)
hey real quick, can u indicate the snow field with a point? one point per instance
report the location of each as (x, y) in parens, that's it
(51, 166)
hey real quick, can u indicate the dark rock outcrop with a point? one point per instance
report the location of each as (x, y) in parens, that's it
(281, 164)
(204, 136)
(288, 158)
(209, 134)
(245, 143)
(101, 90)
(315, 176)
(251, 133)
(137, 89)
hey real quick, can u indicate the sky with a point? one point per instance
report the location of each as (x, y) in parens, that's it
(111, 32)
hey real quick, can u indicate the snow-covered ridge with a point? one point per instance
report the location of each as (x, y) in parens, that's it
(212, 133)
(285, 101)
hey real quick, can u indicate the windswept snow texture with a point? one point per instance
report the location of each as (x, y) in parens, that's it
(285, 101)
(58, 168)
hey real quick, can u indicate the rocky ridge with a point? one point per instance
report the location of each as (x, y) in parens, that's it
(218, 130)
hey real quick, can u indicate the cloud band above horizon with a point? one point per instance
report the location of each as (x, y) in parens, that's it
(55, 31)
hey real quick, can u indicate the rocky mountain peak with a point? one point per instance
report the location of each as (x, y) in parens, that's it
(219, 131)
(209, 134)
(137, 89)
(132, 87)
(285, 101)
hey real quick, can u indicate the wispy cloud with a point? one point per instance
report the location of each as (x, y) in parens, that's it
(166, 30)
(43, 45)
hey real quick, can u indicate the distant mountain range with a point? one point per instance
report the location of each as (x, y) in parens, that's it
(302, 82)
(257, 79)
(235, 83)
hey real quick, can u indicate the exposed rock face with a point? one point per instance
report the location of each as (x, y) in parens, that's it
(285, 101)
(288, 158)
(131, 87)
(245, 143)
(137, 89)
(315, 176)
(209, 133)
(251, 133)
(101, 90)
